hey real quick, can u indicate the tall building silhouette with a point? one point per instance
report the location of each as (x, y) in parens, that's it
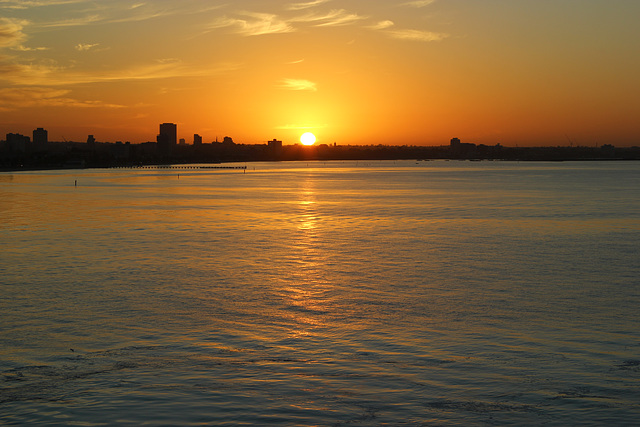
(168, 134)
(167, 138)
(40, 136)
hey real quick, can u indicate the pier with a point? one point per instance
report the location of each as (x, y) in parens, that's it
(179, 167)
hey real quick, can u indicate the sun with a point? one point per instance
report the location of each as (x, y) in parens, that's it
(308, 139)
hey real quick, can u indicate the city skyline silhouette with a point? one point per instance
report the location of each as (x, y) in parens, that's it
(19, 151)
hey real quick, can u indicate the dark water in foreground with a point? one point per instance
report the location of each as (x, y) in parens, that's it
(338, 293)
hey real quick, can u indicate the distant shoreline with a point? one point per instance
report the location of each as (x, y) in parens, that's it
(210, 166)
(20, 155)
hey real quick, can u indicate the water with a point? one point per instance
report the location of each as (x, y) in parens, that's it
(337, 293)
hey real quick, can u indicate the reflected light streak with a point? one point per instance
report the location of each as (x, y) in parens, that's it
(308, 294)
(308, 217)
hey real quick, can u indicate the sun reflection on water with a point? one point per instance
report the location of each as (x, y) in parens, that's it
(307, 204)
(307, 291)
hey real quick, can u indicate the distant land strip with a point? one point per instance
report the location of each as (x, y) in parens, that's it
(19, 154)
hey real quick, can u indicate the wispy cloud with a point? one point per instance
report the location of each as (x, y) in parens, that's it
(297, 84)
(418, 35)
(257, 24)
(25, 4)
(254, 24)
(21, 48)
(74, 22)
(82, 47)
(419, 3)
(340, 17)
(12, 35)
(307, 5)
(148, 11)
(22, 73)
(14, 98)
(11, 31)
(334, 17)
(122, 12)
(382, 25)
(51, 74)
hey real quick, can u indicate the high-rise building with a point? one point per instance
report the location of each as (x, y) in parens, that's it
(167, 139)
(40, 136)
(168, 134)
(197, 139)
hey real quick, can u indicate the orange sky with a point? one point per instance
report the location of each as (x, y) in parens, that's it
(525, 72)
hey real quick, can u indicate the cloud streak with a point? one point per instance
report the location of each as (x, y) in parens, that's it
(418, 35)
(254, 24)
(307, 5)
(11, 33)
(258, 24)
(121, 12)
(419, 3)
(298, 85)
(75, 22)
(382, 25)
(21, 48)
(335, 17)
(24, 4)
(50, 74)
(82, 47)
(14, 98)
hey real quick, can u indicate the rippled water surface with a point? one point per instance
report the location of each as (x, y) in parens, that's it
(338, 293)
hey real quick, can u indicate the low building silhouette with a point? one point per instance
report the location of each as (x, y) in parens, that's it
(274, 144)
(16, 138)
(16, 143)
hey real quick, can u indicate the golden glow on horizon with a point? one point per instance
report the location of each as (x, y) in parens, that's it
(308, 138)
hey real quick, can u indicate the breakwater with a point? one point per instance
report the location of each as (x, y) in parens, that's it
(178, 167)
